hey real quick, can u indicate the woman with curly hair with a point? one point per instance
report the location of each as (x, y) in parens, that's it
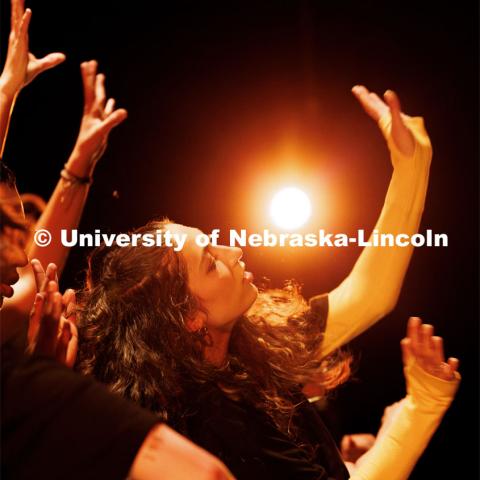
(187, 334)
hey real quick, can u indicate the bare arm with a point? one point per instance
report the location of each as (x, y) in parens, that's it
(166, 454)
(372, 288)
(65, 207)
(21, 66)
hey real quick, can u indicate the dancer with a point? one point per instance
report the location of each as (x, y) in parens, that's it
(409, 424)
(187, 334)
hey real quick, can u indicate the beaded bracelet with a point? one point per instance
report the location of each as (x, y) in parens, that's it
(66, 174)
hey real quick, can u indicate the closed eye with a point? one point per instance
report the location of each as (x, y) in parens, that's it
(212, 265)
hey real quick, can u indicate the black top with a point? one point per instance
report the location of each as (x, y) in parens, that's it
(57, 424)
(247, 441)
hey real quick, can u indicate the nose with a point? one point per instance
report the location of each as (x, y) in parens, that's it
(19, 261)
(230, 255)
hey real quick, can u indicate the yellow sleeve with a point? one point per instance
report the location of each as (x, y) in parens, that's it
(399, 446)
(372, 288)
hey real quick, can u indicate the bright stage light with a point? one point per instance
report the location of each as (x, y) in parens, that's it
(290, 208)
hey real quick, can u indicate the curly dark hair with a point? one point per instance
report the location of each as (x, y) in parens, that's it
(133, 338)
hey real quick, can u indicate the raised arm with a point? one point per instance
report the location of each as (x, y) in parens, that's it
(64, 209)
(21, 66)
(431, 387)
(372, 288)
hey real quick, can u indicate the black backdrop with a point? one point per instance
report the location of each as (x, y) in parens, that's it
(214, 90)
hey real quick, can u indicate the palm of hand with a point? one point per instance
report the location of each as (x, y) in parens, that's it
(92, 139)
(427, 350)
(21, 66)
(99, 116)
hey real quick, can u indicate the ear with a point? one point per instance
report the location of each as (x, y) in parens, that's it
(194, 324)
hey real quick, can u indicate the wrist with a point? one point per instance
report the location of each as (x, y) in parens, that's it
(7, 91)
(79, 164)
(7, 96)
(74, 179)
(428, 392)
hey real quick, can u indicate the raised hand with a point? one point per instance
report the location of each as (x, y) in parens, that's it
(52, 330)
(99, 118)
(377, 108)
(422, 346)
(21, 66)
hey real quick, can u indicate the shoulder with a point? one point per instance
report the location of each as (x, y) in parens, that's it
(61, 412)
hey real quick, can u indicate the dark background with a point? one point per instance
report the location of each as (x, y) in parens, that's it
(226, 98)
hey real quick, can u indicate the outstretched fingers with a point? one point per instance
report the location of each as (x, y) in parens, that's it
(403, 136)
(371, 102)
(100, 96)
(46, 341)
(114, 119)
(64, 338)
(17, 11)
(35, 319)
(413, 333)
(109, 107)
(407, 355)
(437, 347)
(425, 342)
(454, 363)
(24, 24)
(89, 71)
(42, 277)
(427, 350)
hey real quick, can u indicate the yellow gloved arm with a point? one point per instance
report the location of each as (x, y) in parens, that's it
(372, 288)
(400, 443)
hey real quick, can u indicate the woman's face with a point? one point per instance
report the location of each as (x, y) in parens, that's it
(218, 278)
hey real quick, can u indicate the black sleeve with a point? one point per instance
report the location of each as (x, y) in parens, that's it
(319, 311)
(59, 424)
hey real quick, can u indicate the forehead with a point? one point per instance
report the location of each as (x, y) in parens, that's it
(191, 251)
(183, 229)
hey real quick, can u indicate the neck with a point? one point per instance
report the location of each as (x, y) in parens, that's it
(216, 354)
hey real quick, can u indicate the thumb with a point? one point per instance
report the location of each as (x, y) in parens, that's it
(49, 61)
